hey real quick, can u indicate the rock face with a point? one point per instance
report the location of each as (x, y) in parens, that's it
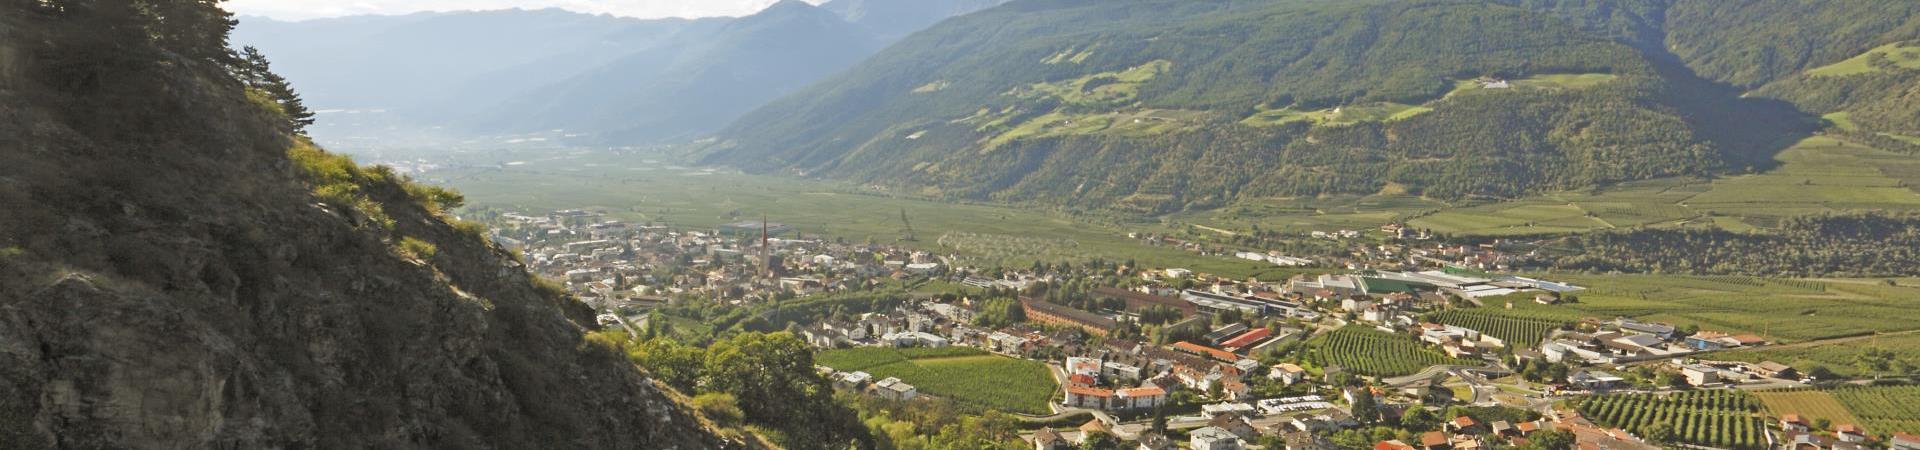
(168, 282)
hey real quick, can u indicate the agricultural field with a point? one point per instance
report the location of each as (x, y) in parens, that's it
(637, 188)
(1876, 356)
(1811, 404)
(1535, 82)
(966, 375)
(1784, 310)
(1901, 54)
(1367, 351)
(1519, 328)
(1819, 174)
(1345, 115)
(1125, 123)
(1841, 119)
(1726, 419)
(1883, 409)
(1100, 88)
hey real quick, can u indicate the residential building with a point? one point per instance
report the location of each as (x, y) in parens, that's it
(1047, 439)
(894, 389)
(1214, 438)
(1903, 441)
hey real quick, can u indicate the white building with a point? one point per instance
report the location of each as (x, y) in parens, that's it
(894, 389)
(1214, 438)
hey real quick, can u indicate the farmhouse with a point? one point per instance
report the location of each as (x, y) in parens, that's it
(1775, 370)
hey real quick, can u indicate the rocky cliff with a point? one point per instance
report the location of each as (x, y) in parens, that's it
(170, 278)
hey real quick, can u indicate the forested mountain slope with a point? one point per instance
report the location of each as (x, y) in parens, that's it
(178, 271)
(1158, 106)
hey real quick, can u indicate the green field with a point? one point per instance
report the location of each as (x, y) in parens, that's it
(639, 187)
(1786, 310)
(1345, 115)
(1725, 419)
(1519, 328)
(1901, 54)
(1902, 353)
(965, 375)
(1820, 174)
(1883, 409)
(1367, 351)
(1811, 404)
(1842, 120)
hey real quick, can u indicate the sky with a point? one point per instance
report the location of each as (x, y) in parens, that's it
(314, 9)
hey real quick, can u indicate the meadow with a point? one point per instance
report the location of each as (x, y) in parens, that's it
(1345, 115)
(1902, 54)
(966, 375)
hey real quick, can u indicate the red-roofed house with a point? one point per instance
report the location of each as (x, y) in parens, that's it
(1391, 445)
(1140, 397)
(1793, 422)
(1903, 441)
(1197, 349)
(1434, 440)
(1087, 397)
(1465, 424)
(1850, 433)
(1248, 339)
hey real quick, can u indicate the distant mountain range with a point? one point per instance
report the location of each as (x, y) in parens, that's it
(1166, 105)
(599, 78)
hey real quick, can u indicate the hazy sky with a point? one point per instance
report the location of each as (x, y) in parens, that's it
(310, 9)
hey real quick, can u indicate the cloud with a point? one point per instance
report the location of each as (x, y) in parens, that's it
(313, 9)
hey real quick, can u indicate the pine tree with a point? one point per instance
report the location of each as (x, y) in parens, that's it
(253, 69)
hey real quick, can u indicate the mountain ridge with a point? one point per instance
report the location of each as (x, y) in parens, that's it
(177, 270)
(1282, 110)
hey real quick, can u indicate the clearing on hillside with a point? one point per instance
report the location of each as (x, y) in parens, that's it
(1900, 54)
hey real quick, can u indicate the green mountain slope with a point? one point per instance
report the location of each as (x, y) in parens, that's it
(178, 271)
(1164, 105)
